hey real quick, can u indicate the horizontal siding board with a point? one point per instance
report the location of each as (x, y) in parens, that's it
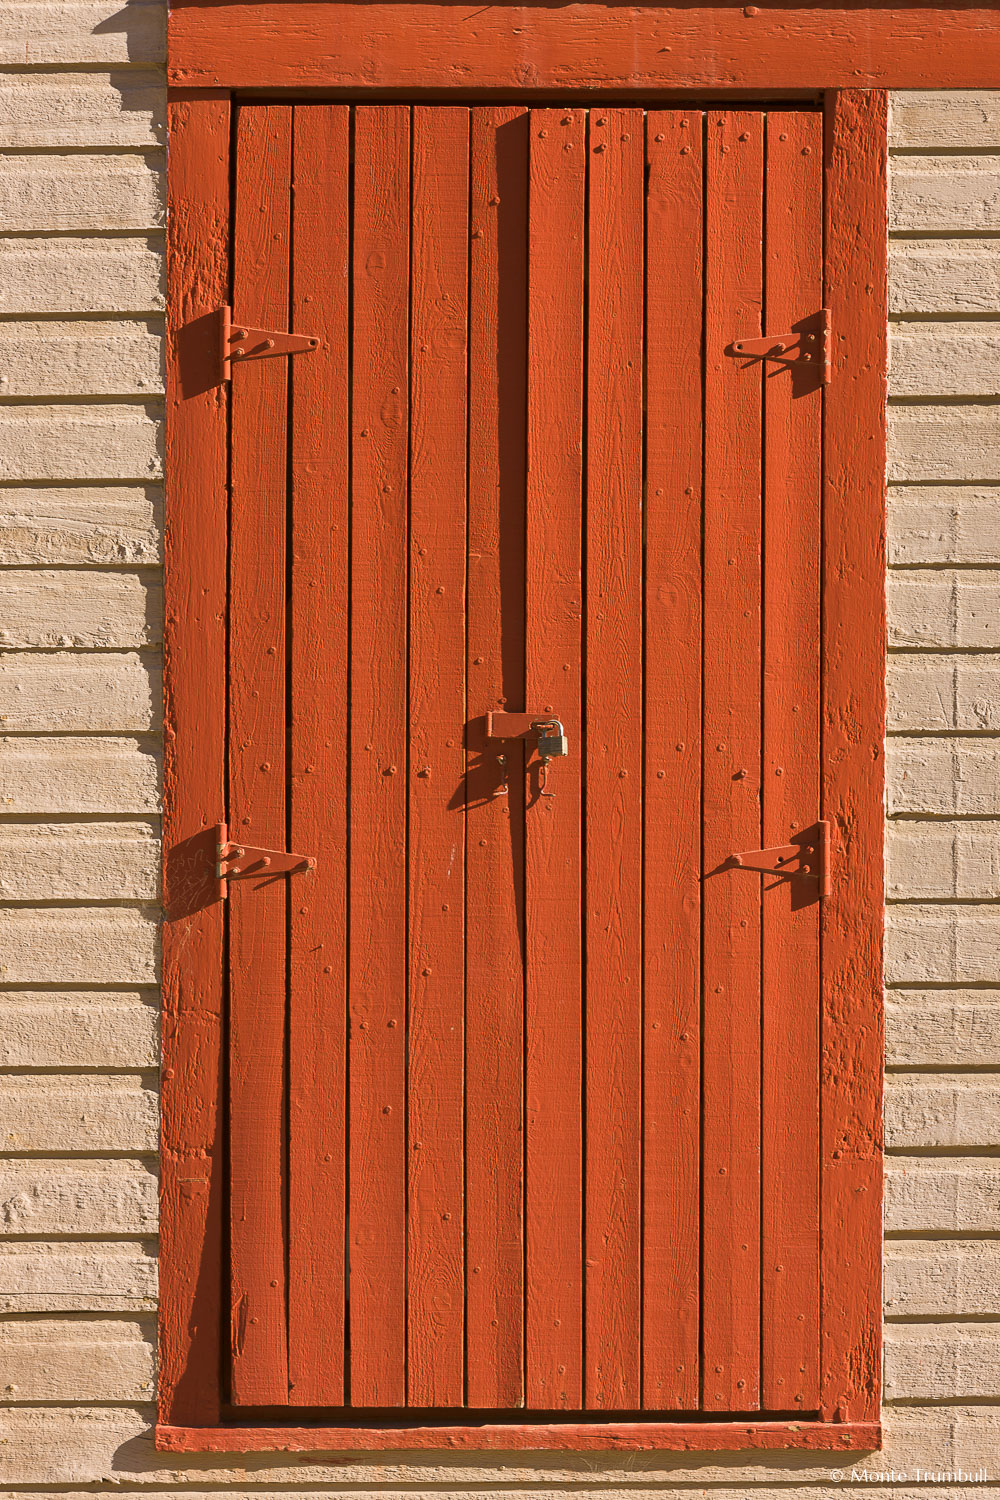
(90, 774)
(77, 1197)
(43, 1276)
(106, 358)
(957, 193)
(944, 276)
(79, 861)
(78, 945)
(942, 944)
(942, 1028)
(92, 1029)
(927, 1196)
(944, 359)
(82, 1113)
(944, 443)
(940, 1363)
(944, 777)
(82, 192)
(944, 861)
(62, 1359)
(946, 608)
(36, 32)
(123, 108)
(116, 525)
(81, 274)
(957, 1112)
(931, 693)
(106, 692)
(921, 119)
(942, 1279)
(68, 608)
(944, 525)
(104, 442)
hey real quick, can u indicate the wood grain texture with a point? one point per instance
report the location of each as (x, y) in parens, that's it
(672, 809)
(87, 1277)
(79, 862)
(957, 118)
(89, 774)
(378, 963)
(943, 276)
(952, 610)
(54, 1198)
(494, 1081)
(258, 910)
(591, 1437)
(89, 945)
(790, 774)
(949, 442)
(195, 584)
(956, 193)
(68, 608)
(39, 32)
(943, 861)
(614, 804)
(932, 775)
(62, 692)
(942, 1029)
(80, 358)
(39, 110)
(53, 1114)
(955, 1279)
(944, 524)
(120, 524)
(942, 944)
(853, 715)
(732, 769)
(437, 710)
(946, 1112)
(927, 692)
(79, 1029)
(41, 444)
(89, 192)
(554, 950)
(944, 359)
(80, 274)
(330, 45)
(318, 760)
(83, 1359)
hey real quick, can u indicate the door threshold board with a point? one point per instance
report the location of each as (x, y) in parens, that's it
(679, 1437)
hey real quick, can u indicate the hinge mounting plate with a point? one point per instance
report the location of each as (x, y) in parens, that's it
(809, 344)
(810, 857)
(239, 861)
(239, 342)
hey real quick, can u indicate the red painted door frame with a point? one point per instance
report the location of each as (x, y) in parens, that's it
(192, 1270)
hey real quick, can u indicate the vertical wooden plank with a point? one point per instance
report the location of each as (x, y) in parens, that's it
(440, 262)
(553, 847)
(194, 662)
(318, 676)
(672, 852)
(258, 909)
(731, 768)
(378, 957)
(495, 823)
(793, 420)
(614, 761)
(853, 718)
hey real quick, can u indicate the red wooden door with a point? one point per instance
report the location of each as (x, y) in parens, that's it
(524, 1076)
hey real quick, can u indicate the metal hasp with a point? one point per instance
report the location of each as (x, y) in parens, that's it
(809, 345)
(810, 858)
(240, 342)
(544, 728)
(239, 861)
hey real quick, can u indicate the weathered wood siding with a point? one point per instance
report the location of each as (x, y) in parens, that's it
(81, 299)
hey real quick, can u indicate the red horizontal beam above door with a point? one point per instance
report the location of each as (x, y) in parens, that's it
(339, 44)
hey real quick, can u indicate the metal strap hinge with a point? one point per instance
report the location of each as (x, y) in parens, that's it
(807, 345)
(810, 858)
(240, 342)
(238, 861)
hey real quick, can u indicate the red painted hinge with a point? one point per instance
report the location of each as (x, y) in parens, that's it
(240, 342)
(807, 345)
(238, 861)
(811, 858)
